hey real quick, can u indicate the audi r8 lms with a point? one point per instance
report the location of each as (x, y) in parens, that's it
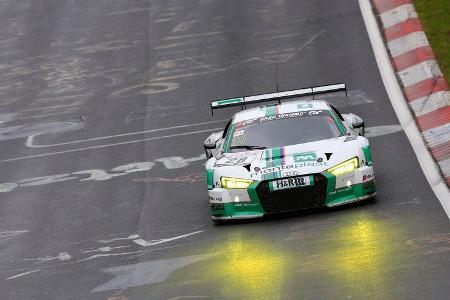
(288, 156)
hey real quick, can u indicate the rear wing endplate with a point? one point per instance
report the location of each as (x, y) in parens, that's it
(311, 91)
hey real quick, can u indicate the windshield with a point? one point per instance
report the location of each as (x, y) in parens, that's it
(283, 130)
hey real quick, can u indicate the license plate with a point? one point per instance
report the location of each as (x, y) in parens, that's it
(290, 183)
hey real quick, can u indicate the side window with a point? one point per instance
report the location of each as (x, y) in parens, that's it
(225, 131)
(337, 113)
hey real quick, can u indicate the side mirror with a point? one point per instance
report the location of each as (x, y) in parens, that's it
(356, 123)
(211, 142)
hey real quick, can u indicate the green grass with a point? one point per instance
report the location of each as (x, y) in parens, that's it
(435, 18)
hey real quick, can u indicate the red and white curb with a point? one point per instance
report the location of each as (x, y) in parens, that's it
(423, 84)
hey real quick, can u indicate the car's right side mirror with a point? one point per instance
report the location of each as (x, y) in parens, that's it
(356, 123)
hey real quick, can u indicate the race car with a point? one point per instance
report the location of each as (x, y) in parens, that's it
(287, 156)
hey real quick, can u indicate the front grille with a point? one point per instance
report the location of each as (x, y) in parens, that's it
(294, 198)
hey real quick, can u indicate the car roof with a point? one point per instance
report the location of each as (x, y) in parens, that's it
(285, 107)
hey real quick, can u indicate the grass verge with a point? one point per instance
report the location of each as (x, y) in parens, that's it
(435, 18)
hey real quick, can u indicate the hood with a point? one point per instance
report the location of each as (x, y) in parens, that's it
(301, 159)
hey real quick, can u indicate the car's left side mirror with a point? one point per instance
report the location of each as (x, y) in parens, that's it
(211, 142)
(355, 122)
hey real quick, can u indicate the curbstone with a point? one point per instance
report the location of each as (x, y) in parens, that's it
(417, 70)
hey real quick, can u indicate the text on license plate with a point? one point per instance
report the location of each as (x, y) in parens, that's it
(289, 183)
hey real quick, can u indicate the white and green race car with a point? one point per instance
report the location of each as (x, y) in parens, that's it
(287, 156)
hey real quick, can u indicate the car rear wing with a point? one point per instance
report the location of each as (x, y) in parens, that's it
(310, 91)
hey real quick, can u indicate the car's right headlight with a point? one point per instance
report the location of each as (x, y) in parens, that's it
(345, 167)
(235, 183)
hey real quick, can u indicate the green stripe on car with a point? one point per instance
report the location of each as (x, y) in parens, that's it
(226, 146)
(251, 189)
(210, 178)
(367, 155)
(227, 101)
(273, 158)
(331, 186)
(270, 111)
(339, 123)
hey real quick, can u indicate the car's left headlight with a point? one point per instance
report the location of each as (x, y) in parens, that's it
(235, 183)
(345, 167)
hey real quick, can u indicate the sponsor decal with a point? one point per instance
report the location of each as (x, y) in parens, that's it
(283, 116)
(238, 133)
(248, 122)
(272, 117)
(290, 183)
(368, 177)
(245, 204)
(242, 154)
(234, 161)
(305, 156)
(292, 166)
(314, 112)
(289, 173)
(340, 190)
(215, 199)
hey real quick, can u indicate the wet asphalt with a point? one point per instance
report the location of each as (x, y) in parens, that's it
(104, 106)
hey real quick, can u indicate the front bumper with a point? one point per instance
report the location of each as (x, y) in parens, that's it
(327, 191)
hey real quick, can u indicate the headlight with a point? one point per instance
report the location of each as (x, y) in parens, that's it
(345, 167)
(235, 183)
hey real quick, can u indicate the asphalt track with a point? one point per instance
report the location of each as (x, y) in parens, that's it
(90, 80)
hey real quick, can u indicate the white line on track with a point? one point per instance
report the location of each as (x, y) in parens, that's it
(109, 145)
(401, 108)
(30, 139)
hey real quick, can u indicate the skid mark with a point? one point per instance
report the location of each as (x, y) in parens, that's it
(191, 178)
(147, 88)
(9, 234)
(184, 26)
(129, 11)
(104, 248)
(39, 260)
(436, 244)
(147, 272)
(183, 67)
(280, 36)
(22, 274)
(95, 175)
(107, 46)
(31, 144)
(111, 145)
